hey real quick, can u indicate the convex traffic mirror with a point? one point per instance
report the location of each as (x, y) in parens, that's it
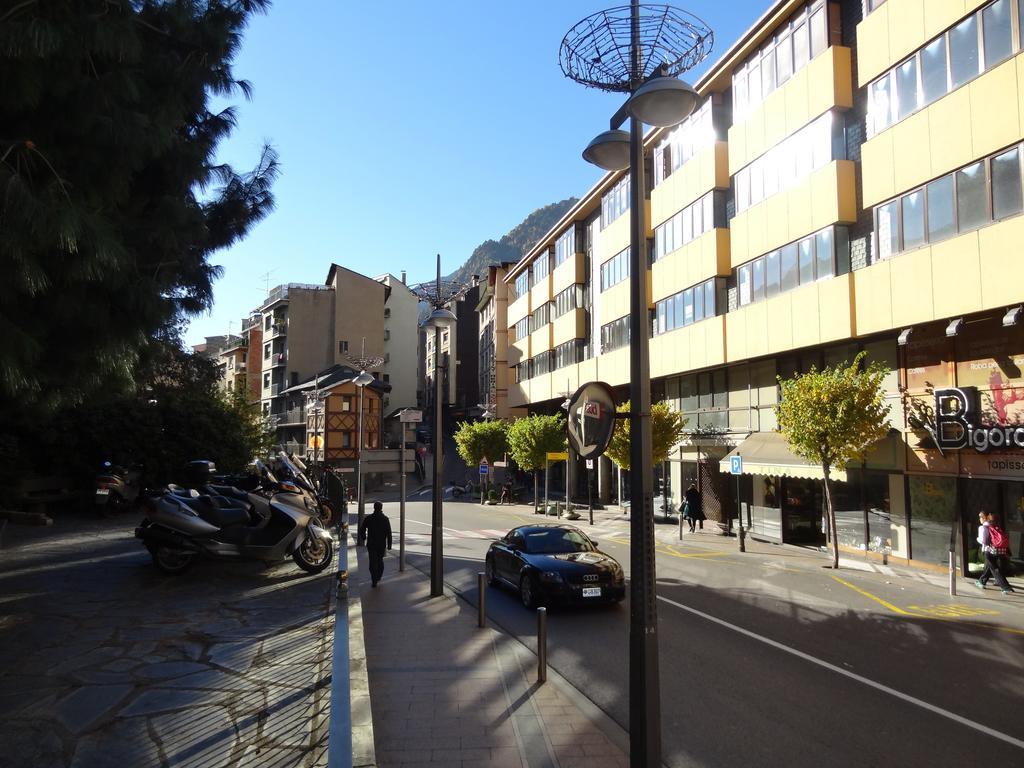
(591, 419)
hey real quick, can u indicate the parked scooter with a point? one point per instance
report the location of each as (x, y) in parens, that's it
(117, 488)
(295, 470)
(220, 521)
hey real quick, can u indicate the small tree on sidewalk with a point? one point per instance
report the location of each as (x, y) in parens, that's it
(668, 427)
(531, 438)
(833, 416)
(476, 440)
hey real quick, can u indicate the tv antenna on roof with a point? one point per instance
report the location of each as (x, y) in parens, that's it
(265, 277)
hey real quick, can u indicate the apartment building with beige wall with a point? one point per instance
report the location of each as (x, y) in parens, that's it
(493, 369)
(850, 181)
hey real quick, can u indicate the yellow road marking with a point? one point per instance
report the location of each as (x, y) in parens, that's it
(877, 599)
(935, 614)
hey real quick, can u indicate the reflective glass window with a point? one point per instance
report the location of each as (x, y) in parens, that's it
(806, 259)
(963, 51)
(819, 32)
(881, 103)
(823, 254)
(1006, 184)
(941, 214)
(933, 70)
(772, 274)
(687, 306)
(744, 283)
(768, 72)
(801, 46)
(913, 219)
(971, 207)
(995, 24)
(887, 229)
(784, 58)
(906, 88)
(698, 303)
(757, 278)
(788, 265)
(709, 298)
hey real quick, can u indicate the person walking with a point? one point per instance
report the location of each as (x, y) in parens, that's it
(506, 492)
(377, 534)
(993, 543)
(694, 513)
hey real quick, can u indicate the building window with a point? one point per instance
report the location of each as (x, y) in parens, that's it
(266, 322)
(540, 317)
(387, 378)
(569, 353)
(565, 246)
(615, 334)
(542, 363)
(815, 257)
(978, 43)
(694, 220)
(266, 351)
(343, 347)
(523, 283)
(791, 161)
(692, 305)
(873, 5)
(346, 403)
(615, 270)
(691, 136)
(566, 301)
(541, 267)
(956, 202)
(523, 328)
(795, 43)
(615, 202)
(266, 380)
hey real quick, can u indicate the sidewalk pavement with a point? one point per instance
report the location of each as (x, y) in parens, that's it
(444, 692)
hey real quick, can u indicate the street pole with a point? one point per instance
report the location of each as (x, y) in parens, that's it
(644, 684)
(360, 509)
(436, 549)
(401, 506)
(739, 515)
(590, 494)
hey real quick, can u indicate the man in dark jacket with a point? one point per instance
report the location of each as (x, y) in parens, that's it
(377, 534)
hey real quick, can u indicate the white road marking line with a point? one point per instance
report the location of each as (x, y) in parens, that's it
(846, 673)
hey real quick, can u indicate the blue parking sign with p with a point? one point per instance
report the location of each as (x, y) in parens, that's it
(736, 465)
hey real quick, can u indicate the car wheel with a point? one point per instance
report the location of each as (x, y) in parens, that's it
(492, 579)
(528, 591)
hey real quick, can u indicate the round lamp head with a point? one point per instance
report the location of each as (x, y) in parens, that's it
(440, 318)
(662, 102)
(609, 150)
(363, 379)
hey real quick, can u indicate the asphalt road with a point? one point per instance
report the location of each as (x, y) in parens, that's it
(768, 659)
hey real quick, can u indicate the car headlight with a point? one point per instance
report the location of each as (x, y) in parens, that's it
(551, 576)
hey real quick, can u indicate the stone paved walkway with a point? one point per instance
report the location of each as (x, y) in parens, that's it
(106, 662)
(445, 693)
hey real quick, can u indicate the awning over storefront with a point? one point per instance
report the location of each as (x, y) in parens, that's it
(768, 453)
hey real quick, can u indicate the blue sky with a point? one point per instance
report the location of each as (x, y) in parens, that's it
(407, 129)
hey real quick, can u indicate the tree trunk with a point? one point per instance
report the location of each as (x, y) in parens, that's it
(831, 518)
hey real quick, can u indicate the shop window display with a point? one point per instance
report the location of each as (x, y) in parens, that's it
(932, 510)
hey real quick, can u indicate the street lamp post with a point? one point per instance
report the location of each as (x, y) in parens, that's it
(638, 53)
(360, 381)
(437, 294)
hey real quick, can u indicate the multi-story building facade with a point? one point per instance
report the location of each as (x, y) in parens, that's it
(493, 370)
(401, 345)
(233, 366)
(850, 181)
(458, 358)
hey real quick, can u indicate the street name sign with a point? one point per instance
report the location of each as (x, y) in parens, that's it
(410, 416)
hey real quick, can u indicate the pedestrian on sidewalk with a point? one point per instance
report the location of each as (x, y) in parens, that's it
(377, 534)
(694, 513)
(994, 547)
(506, 492)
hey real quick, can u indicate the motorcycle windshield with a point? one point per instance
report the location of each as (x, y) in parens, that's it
(295, 472)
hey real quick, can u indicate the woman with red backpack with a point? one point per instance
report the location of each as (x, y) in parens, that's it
(995, 547)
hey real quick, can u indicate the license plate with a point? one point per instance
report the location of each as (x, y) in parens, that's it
(591, 591)
(102, 493)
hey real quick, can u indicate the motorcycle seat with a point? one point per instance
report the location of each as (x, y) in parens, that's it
(181, 491)
(221, 515)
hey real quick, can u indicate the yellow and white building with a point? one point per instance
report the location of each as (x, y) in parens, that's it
(851, 181)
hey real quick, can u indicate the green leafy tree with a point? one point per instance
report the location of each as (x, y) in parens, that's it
(832, 417)
(478, 439)
(113, 200)
(668, 427)
(531, 438)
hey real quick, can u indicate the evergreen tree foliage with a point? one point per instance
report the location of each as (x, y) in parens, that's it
(667, 429)
(834, 416)
(112, 200)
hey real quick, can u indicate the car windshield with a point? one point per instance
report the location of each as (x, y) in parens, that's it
(556, 540)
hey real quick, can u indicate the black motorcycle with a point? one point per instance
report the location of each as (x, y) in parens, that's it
(270, 524)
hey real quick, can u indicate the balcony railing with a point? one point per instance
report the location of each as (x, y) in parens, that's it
(275, 390)
(278, 358)
(294, 416)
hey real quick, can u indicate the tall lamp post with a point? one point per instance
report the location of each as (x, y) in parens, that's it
(363, 363)
(437, 295)
(638, 50)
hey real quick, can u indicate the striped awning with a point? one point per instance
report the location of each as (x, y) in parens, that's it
(768, 453)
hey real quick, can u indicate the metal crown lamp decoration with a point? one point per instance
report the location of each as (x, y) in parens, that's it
(437, 295)
(638, 50)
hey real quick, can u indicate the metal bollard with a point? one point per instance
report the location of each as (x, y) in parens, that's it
(542, 645)
(481, 611)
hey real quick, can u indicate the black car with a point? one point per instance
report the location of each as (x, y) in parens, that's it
(554, 564)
